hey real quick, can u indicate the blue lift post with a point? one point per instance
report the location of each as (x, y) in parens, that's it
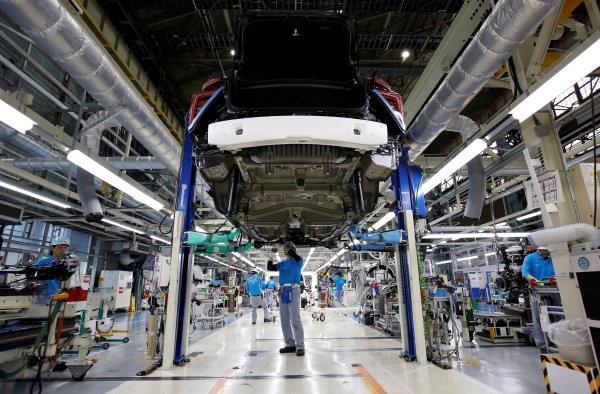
(186, 194)
(406, 181)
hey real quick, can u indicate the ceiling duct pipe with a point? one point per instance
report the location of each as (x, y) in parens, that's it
(55, 30)
(86, 182)
(507, 27)
(467, 128)
(140, 163)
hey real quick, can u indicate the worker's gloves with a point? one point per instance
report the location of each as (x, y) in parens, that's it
(533, 282)
(553, 281)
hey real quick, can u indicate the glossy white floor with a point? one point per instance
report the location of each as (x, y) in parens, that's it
(341, 355)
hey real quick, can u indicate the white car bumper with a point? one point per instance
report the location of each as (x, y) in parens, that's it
(233, 135)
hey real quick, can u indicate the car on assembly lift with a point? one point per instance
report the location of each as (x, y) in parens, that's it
(296, 141)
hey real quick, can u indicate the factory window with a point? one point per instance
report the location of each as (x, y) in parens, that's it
(574, 96)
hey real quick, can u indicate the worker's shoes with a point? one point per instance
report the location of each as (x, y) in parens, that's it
(288, 349)
(267, 320)
(300, 352)
(253, 322)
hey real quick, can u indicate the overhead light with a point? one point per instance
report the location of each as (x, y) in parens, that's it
(443, 242)
(15, 118)
(529, 216)
(310, 252)
(381, 222)
(34, 195)
(211, 258)
(200, 229)
(405, 54)
(565, 76)
(488, 254)
(502, 224)
(159, 239)
(123, 226)
(85, 162)
(232, 52)
(443, 262)
(467, 258)
(475, 235)
(467, 154)
(245, 259)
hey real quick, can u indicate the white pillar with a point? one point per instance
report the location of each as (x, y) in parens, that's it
(415, 289)
(171, 322)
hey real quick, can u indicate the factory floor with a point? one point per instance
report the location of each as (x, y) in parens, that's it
(340, 355)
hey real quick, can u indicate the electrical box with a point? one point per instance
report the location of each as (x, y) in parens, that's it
(585, 261)
(582, 178)
(120, 283)
(162, 266)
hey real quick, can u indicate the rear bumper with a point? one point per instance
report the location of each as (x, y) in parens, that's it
(236, 134)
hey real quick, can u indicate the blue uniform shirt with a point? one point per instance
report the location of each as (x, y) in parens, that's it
(290, 270)
(52, 285)
(270, 284)
(339, 283)
(254, 285)
(536, 266)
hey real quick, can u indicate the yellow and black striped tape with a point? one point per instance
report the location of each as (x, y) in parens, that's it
(591, 374)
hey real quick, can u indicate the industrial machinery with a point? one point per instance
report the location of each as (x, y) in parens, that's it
(585, 261)
(444, 334)
(509, 279)
(37, 330)
(119, 283)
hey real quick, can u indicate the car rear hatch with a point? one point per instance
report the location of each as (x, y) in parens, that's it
(300, 62)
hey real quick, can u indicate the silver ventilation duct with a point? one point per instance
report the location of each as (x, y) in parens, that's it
(141, 163)
(507, 27)
(58, 33)
(467, 128)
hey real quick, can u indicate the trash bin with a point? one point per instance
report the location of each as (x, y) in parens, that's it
(573, 341)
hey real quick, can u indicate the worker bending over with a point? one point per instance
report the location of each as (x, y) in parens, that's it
(254, 287)
(538, 267)
(289, 298)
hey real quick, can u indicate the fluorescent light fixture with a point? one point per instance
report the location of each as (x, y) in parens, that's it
(93, 167)
(467, 154)
(566, 76)
(232, 52)
(245, 259)
(199, 229)
(475, 235)
(490, 254)
(159, 239)
(443, 262)
(15, 118)
(211, 258)
(467, 258)
(529, 216)
(123, 226)
(34, 195)
(502, 224)
(381, 222)
(405, 54)
(310, 252)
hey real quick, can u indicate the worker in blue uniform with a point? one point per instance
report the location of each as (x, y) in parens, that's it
(254, 287)
(538, 267)
(269, 290)
(58, 248)
(289, 298)
(339, 288)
